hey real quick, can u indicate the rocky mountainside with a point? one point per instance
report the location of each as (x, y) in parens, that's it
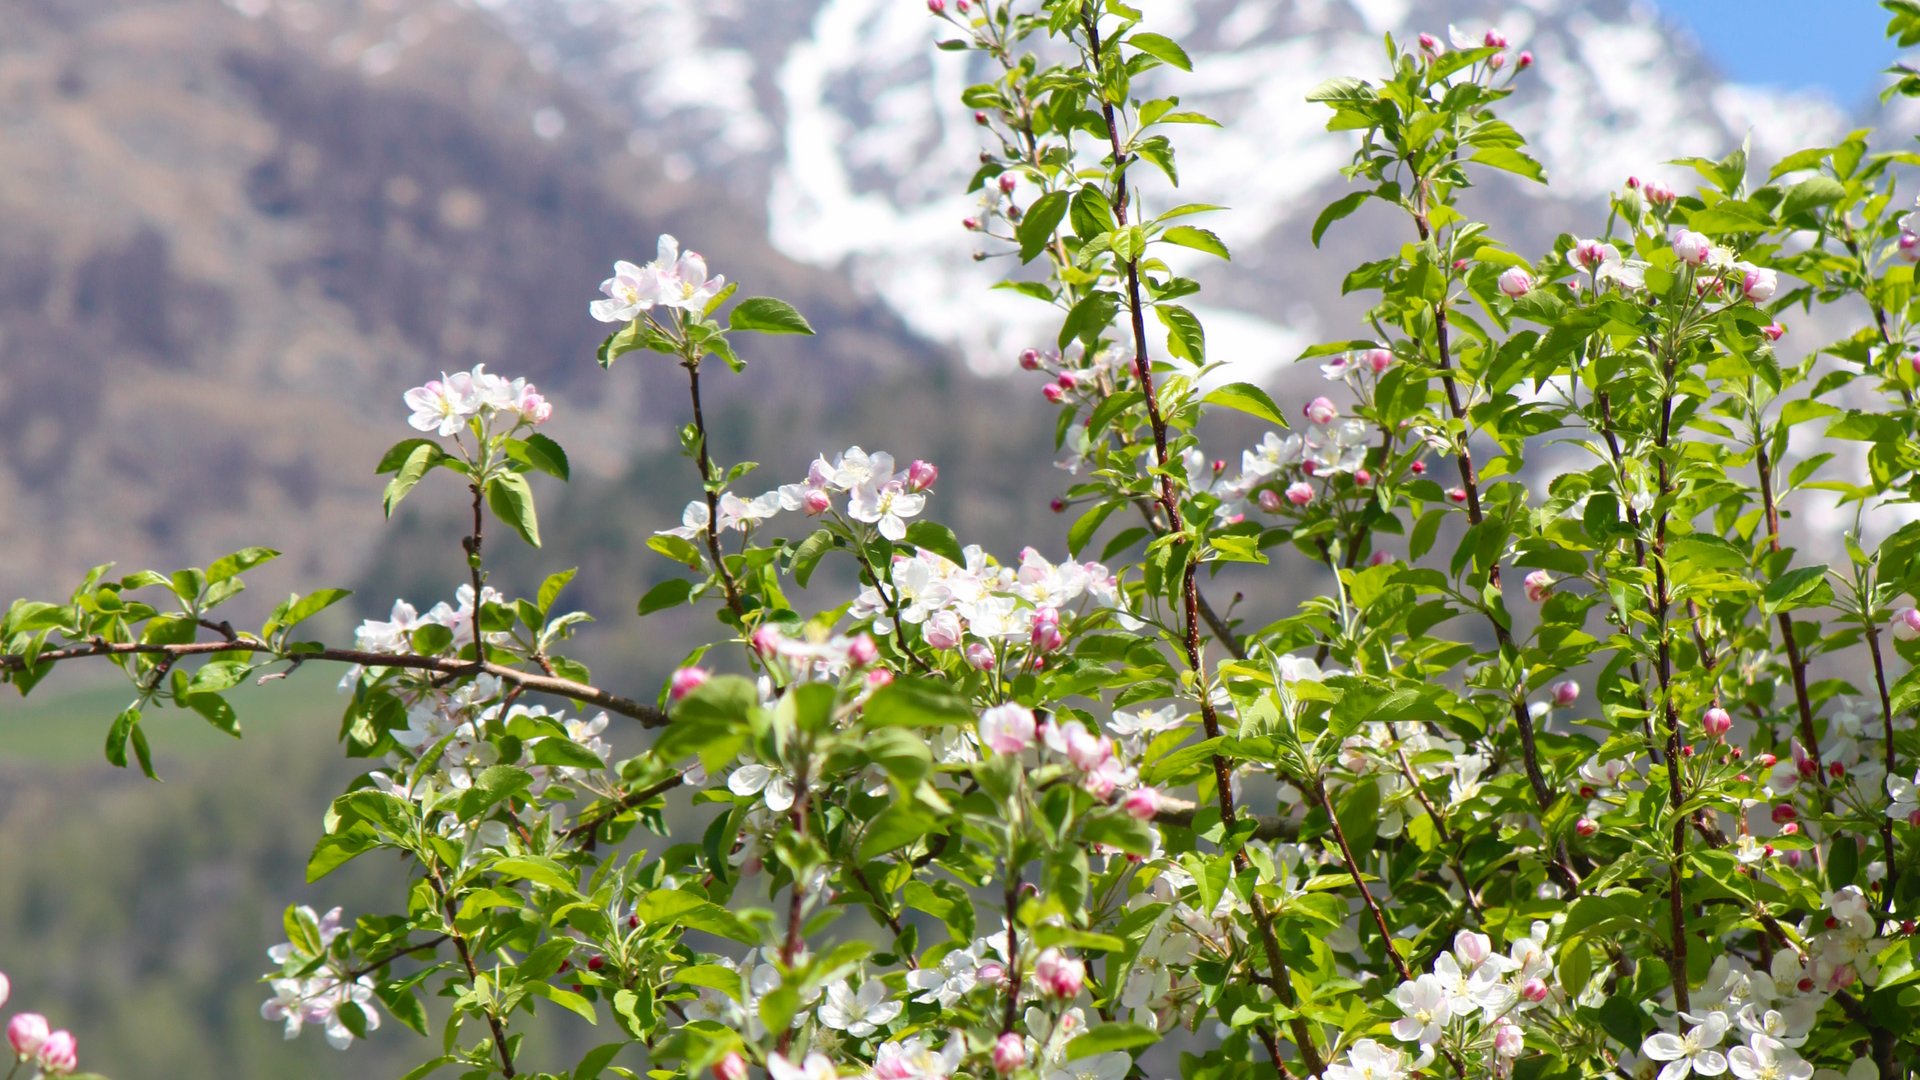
(235, 233)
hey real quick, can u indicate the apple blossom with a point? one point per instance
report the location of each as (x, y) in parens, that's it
(1141, 803)
(1320, 411)
(629, 292)
(1716, 722)
(1515, 281)
(1566, 693)
(1906, 624)
(1691, 247)
(1586, 826)
(685, 680)
(731, 1067)
(1007, 729)
(60, 1054)
(1058, 974)
(1525, 61)
(815, 1066)
(26, 1033)
(1539, 585)
(1009, 1053)
(1299, 493)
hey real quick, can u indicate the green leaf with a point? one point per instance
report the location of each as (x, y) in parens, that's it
(1110, 1037)
(118, 734)
(540, 871)
(1035, 230)
(1163, 49)
(238, 563)
(556, 751)
(670, 593)
(681, 908)
(1729, 216)
(547, 456)
(419, 461)
(1510, 160)
(1198, 239)
(1249, 399)
(915, 702)
(596, 1060)
(937, 538)
(896, 826)
(301, 608)
(1805, 586)
(1337, 209)
(1815, 191)
(765, 315)
(511, 499)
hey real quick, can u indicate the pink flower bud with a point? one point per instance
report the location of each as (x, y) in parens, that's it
(1007, 729)
(942, 630)
(1362, 477)
(1539, 585)
(1494, 39)
(1906, 621)
(1776, 331)
(1586, 826)
(1515, 281)
(1046, 635)
(1691, 248)
(1793, 858)
(980, 118)
(1909, 246)
(1320, 411)
(1219, 465)
(1658, 194)
(1837, 770)
(1059, 506)
(6, 988)
(980, 655)
(1085, 749)
(1378, 359)
(1765, 761)
(60, 1054)
(1566, 693)
(921, 475)
(1419, 468)
(1068, 380)
(1525, 61)
(1059, 974)
(878, 678)
(1270, 500)
(962, 5)
(765, 642)
(1030, 359)
(1141, 803)
(1508, 1040)
(1633, 183)
(1758, 284)
(1716, 722)
(971, 224)
(1497, 61)
(1535, 990)
(1791, 828)
(1053, 393)
(1299, 493)
(26, 1033)
(938, 7)
(1472, 949)
(1430, 44)
(1783, 813)
(1379, 558)
(1009, 1053)
(1007, 182)
(731, 1067)
(862, 651)
(685, 680)
(1686, 751)
(1457, 494)
(816, 502)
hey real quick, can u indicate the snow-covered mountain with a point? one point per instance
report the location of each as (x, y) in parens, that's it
(842, 120)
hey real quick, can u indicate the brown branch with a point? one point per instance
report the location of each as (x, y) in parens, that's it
(372, 966)
(472, 546)
(1366, 895)
(473, 971)
(587, 825)
(648, 715)
(713, 499)
(1796, 663)
(1886, 728)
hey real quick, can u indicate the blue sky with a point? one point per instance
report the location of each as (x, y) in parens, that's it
(1833, 45)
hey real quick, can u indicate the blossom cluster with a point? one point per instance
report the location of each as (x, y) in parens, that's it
(1477, 1002)
(35, 1045)
(315, 987)
(983, 608)
(446, 405)
(672, 280)
(877, 495)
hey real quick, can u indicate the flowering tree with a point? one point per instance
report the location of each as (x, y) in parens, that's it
(1016, 816)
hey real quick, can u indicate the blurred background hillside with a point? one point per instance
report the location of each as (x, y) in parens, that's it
(232, 232)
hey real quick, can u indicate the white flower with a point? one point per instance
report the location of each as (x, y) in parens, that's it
(443, 405)
(1427, 1009)
(912, 1059)
(886, 503)
(772, 786)
(1905, 794)
(815, 1067)
(1691, 1053)
(683, 281)
(1369, 1060)
(1765, 1058)
(693, 522)
(948, 983)
(1112, 1065)
(858, 1014)
(630, 291)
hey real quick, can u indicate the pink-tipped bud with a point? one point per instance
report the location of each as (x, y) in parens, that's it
(1059, 506)
(765, 642)
(1515, 281)
(1030, 359)
(938, 7)
(1141, 803)
(1419, 468)
(878, 678)
(1717, 722)
(1270, 500)
(1053, 393)
(1566, 693)
(1658, 194)
(942, 630)
(1539, 585)
(962, 5)
(1791, 828)
(981, 656)
(1586, 826)
(1007, 729)
(921, 475)
(1686, 751)
(1536, 990)
(1776, 331)
(60, 1054)
(1430, 44)
(1497, 61)
(1525, 61)
(862, 651)
(1472, 948)
(1362, 477)
(1633, 183)
(1378, 359)
(1009, 1053)
(26, 1033)
(1219, 465)
(971, 224)
(1691, 247)
(1836, 769)
(1494, 39)
(980, 117)
(1046, 635)
(1299, 493)
(816, 502)
(991, 973)
(1458, 495)
(731, 1067)
(685, 680)
(1784, 812)
(1766, 761)
(1379, 558)
(1320, 411)
(1008, 182)
(1909, 246)
(1906, 624)
(1058, 974)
